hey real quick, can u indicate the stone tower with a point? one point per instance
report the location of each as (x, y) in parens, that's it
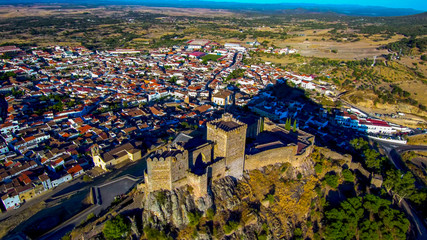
(167, 168)
(229, 137)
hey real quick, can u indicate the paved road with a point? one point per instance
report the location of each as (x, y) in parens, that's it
(107, 192)
(393, 153)
(216, 74)
(54, 197)
(51, 194)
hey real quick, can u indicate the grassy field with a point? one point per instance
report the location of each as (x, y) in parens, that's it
(418, 140)
(211, 57)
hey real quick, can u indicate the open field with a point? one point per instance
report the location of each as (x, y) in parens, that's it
(418, 140)
(343, 41)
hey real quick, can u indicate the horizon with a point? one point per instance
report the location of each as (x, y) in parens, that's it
(416, 5)
(362, 8)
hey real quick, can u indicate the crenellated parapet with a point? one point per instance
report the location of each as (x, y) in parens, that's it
(227, 124)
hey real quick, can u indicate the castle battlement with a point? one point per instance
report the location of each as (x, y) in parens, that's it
(227, 124)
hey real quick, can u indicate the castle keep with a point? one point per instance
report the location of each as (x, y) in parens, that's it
(196, 163)
(228, 136)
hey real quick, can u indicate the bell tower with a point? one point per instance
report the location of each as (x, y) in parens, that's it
(95, 150)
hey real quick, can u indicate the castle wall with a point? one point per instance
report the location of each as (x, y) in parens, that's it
(179, 166)
(203, 153)
(180, 183)
(199, 184)
(160, 174)
(272, 156)
(220, 140)
(217, 170)
(235, 155)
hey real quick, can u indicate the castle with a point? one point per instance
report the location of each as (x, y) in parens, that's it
(196, 163)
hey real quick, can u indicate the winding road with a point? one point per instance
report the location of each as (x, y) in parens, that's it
(393, 151)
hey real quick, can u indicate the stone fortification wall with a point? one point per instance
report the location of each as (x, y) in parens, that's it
(217, 170)
(180, 183)
(202, 153)
(235, 155)
(159, 171)
(269, 125)
(305, 154)
(272, 156)
(220, 139)
(179, 166)
(199, 183)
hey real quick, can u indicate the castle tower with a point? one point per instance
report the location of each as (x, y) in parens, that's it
(229, 137)
(166, 169)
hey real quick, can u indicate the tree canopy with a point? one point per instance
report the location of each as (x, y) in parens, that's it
(370, 217)
(116, 228)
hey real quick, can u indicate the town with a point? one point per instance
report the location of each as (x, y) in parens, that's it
(69, 110)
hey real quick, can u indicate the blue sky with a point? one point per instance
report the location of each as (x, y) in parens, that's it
(414, 4)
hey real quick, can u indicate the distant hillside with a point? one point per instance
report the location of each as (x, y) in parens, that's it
(350, 10)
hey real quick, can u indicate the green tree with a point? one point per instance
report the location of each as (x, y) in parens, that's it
(365, 218)
(371, 158)
(288, 124)
(332, 180)
(86, 178)
(152, 233)
(230, 226)
(116, 228)
(294, 128)
(402, 186)
(318, 168)
(359, 144)
(348, 175)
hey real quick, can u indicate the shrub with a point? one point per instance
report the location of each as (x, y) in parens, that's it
(161, 197)
(348, 175)
(318, 168)
(270, 198)
(194, 218)
(152, 233)
(116, 228)
(230, 226)
(297, 232)
(90, 216)
(331, 180)
(210, 213)
(86, 178)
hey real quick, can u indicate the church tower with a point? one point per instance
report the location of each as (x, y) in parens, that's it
(229, 137)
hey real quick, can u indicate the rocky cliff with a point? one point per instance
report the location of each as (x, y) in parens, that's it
(271, 202)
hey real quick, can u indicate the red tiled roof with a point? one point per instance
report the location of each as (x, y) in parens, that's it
(75, 169)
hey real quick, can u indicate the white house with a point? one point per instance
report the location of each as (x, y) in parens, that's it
(61, 180)
(11, 200)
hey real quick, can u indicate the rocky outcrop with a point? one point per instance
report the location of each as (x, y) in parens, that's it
(172, 207)
(241, 202)
(224, 194)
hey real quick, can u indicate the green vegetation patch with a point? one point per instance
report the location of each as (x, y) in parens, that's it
(211, 57)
